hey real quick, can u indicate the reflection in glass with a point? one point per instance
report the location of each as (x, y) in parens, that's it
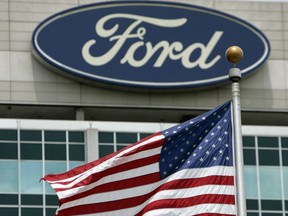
(270, 183)
(31, 173)
(250, 174)
(54, 168)
(9, 176)
(285, 179)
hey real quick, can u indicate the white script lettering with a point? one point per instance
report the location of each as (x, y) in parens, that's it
(173, 51)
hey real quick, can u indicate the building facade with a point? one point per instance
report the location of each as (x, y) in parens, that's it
(50, 123)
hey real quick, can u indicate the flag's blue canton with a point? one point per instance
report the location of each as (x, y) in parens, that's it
(201, 142)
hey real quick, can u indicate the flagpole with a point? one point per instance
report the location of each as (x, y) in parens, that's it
(234, 54)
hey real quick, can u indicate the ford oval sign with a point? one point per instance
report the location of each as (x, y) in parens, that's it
(154, 45)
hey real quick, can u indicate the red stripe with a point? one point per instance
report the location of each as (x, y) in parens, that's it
(113, 170)
(135, 201)
(79, 170)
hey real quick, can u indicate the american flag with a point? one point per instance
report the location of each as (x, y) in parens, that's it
(184, 170)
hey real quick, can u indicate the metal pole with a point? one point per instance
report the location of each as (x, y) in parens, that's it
(235, 77)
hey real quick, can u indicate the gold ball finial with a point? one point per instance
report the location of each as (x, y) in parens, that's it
(234, 54)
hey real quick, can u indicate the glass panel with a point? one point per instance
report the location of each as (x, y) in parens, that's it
(8, 135)
(285, 157)
(31, 151)
(252, 214)
(55, 136)
(8, 151)
(105, 150)
(75, 164)
(128, 138)
(76, 152)
(29, 135)
(106, 137)
(268, 142)
(31, 173)
(31, 200)
(249, 156)
(250, 178)
(285, 179)
(252, 204)
(9, 211)
(143, 135)
(119, 147)
(53, 168)
(271, 204)
(31, 211)
(50, 211)
(284, 142)
(55, 152)
(271, 214)
(8, 199)
(76, 136)
(9, 176)
(248, 141)
(270, 184)
(269, 157)
(52, 200)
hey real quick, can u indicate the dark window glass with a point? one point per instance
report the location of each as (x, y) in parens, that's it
(8, 135)
(269, 157)
(55, 152)
(27, 135)
(9, 211)
(268, 142)
(285, 157)
(143, 135)
(31, 151)
(31, 211)
(52, 200)
(55, 136)
(106, 137)
(252, 214)
(31, 199)
(76, 136)
(249, 157)
(252, 204)
(8, 151)
(271, 204)
(284, 142)
(128, 138)
(119, 147)
(8, 199)
(105, 150)
(50, 211)
(286, 205)
(248, 141)
(271, 214)
(76, 152)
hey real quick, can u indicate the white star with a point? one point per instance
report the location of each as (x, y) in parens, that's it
(218, 127)
(181, 149)
(200, 147)
(203, 118)
(225, 132)
(206, 140)
(194, 154)
(201, 159)
(164, 172)
(212, 134)
(166, 132)
(188, 153)
(214, 158)
(174, 131)
(186, 128)
(213, 145)
(225, 120)
(179, 127)
(227, 158)
(207, 152)
(227, 145)
(218, 116)
(200, 138)
(188, 162)
(212, 124)
(176, 157)
(219, 139)
(221, 151)
(170, 165)
(187, 142)
(191, 122)
(163, 160)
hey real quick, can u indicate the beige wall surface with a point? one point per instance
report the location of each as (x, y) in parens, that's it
(24, 81)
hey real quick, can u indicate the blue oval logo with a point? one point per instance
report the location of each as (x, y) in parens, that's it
(154, 45)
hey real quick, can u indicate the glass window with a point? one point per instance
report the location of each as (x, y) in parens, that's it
(252, 214)
(272, 214)
(8, 151)
(8, 135)
(50, 211)
(55, 136)
(119, 147)
(285, 157)
(252, 204)
(271, 204)
(31, 151)
(127, 138)
(268, 142)
(250, 178)
(143, 135)
(73, 164)
(269, 157)
(76, 136)
(31, 173)
(30, 135)
(31, 199)
(9, 176)
(54, 168)
(105, 150)
(248, 141)
(76, 152)
(52, 200)
(285, 179)
(106, 137)
(284, 142)
(31, 211)
(55, 152)
(9, 211)
(270, 183)
(249, 156)
(9, 199)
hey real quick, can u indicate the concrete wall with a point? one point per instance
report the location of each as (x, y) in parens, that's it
(25, 81)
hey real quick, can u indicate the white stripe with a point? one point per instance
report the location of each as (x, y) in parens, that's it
(109, 161)
(108, 164)
(152, 168)
(142, 190)
(193, 210)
